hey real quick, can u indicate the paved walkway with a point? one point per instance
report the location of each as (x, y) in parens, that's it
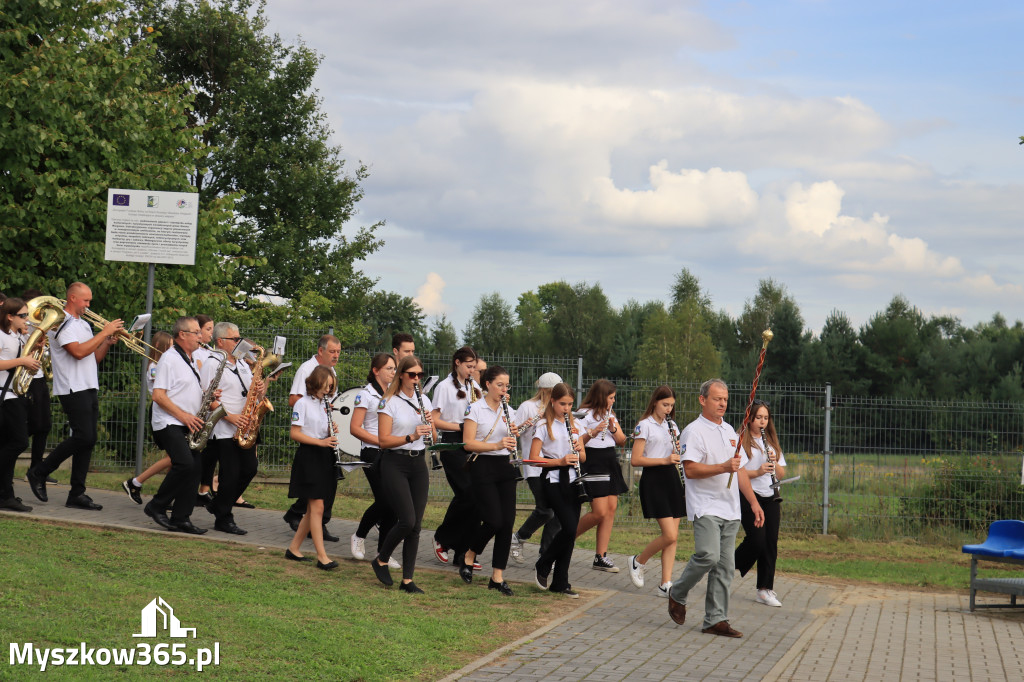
(823, 631)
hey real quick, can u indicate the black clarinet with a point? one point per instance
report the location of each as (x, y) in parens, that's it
(677, 449)
(514, 459)
(428, 439)
(581, 487)
(768, 455)
(339, 472)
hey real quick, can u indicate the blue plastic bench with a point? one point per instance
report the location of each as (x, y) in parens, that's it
(1004, 544)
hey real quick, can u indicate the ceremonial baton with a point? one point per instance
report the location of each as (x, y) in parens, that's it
(766, 337)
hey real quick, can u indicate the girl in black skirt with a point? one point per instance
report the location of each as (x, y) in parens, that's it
(490, 440)
(313, 473)
(655, 447)
(601, 435)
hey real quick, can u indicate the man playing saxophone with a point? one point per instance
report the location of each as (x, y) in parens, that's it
(75, 352)
(237, 464)
(177, 397)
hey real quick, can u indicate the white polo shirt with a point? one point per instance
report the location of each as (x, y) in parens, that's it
(658, 439)
(557, 447)
(447, 400)
(202, 354)
(69, 373)
(486, 418)
(527, 411)
(10, 349)
(180, 378)
(234, 386)
(368, 399)
(405, 417)
(710, 443)
(309, 414)
(303, 372)
(589, 422)
(762, 485)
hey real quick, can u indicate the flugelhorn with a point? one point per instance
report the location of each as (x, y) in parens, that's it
(45, 313)
(133, 341)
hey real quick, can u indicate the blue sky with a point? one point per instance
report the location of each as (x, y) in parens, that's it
(852, 151)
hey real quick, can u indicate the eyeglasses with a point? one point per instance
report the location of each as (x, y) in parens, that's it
(416, 375)
(23, 316)
(236, 339)
(186, 331)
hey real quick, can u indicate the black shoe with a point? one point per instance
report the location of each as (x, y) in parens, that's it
(328, 537)
(410, 587)
(14, 504)
(541, 580)
(38, 486)
(292, 520)
(228, 527)
(134, 492)
(187, 527)
(51, 479)
(83, 501)
(329, 566)
(295, 557)
(382, 572)
(466, 573)
(501, 587)
(203, 499)
(245, 505)
(567, 592)
(158, 516)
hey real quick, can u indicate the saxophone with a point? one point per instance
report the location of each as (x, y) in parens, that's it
(257, 404)
(197, 440)
(45, 312)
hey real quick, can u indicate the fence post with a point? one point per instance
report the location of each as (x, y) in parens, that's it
(828, 454)
(579, 381)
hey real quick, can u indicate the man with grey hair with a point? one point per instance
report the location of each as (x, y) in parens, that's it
(714, 509)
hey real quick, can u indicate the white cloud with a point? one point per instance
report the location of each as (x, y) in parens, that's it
(428, 296)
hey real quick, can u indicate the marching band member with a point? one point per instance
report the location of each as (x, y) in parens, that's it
(491, 439)
(452, 398)
(761, 543)
(364, 427)
(479, 367)
(74, 353)
(402, 421)
(551, 441)
(313, 476)
(328, 350)
(177, 398)
(13, 408)
(541, 514)
(161, 342)
(237, 464)
(601, 435)
(208, 456)
(38, 405)
(401, 345)
(661, 485)
(205, 350)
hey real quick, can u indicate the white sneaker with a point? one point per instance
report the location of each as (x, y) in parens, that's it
(358, 547)
(392, 564)
(517, 549)
(663, 590)
(768, 598)
(636, 572)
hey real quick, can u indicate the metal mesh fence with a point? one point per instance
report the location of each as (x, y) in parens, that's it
(869, 467)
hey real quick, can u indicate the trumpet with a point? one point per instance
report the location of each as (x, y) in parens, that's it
(133, 341)
(45, 312)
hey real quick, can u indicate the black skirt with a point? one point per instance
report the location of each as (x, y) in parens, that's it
(604, 461)
(661, 493)
(313, 473)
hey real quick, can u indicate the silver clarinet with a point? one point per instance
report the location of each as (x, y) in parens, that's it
(677, 449)
(428, 439)
(514, 458)
(197, 440)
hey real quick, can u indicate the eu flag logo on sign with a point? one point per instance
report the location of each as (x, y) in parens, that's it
(121, 199)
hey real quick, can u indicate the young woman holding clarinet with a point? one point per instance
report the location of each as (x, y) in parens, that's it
(364, 427)
(313, 475)
(601, 435)
(403, 419)
(761, 545)
(656, 449)
(557, 450)
(490, 438)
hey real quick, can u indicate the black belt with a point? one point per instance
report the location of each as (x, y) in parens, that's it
(451, 436)
(407, 453)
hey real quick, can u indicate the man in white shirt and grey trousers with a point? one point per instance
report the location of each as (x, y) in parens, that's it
(713, 508)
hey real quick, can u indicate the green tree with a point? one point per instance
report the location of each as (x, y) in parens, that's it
(440, 339)
(268, 139)
(773, 307)
(580, 318)
(676, 347)
(85, 110)
(627, 337)
(386, 313)
(836, 357)
(490, 329)
(532, 335)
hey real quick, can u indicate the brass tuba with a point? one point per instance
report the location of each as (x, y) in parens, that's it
(257, 404)
(45, 312)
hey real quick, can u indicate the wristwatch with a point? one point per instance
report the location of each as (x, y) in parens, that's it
(408, 438)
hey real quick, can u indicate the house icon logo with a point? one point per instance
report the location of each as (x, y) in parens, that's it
(158, 615)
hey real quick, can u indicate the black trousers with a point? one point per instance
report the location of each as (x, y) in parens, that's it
(462, 517)
(39, 420)
(540, 516)
(237, 469)
(379, 513)
(180, 485)
(494, 486)
(83, 412)
(209, 458)
(405, 482)
(566, 505)
(760, 545)
(13, 441)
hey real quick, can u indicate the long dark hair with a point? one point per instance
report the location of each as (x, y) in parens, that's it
(597, 398)
(660, 393)
(11, 306)
(770, 436)
(408, 362)
(379, 361)
(464, 354)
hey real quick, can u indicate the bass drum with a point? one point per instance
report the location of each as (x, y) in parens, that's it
(344, 403)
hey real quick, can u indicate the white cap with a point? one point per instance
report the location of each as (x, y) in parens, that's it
(548, 380)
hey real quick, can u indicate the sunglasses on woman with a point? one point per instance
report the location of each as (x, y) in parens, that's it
(416, 375)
